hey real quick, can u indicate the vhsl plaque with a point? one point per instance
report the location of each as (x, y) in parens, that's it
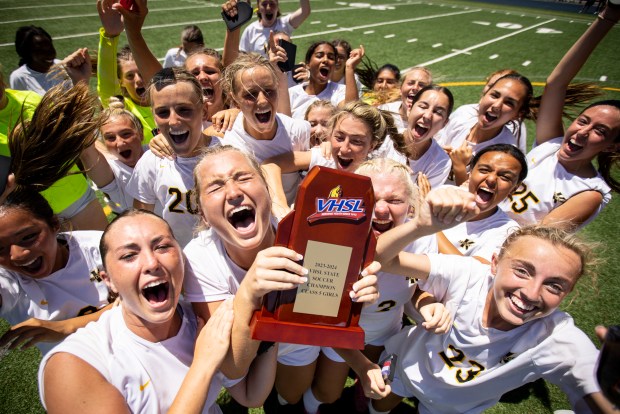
(331, 228)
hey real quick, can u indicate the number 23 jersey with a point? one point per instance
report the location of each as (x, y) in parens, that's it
(470, 367)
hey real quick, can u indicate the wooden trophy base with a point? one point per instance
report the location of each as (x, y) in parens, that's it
(265, 326)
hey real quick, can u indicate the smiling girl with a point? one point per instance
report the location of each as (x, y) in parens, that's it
(256, 35)
(429, 113)
(235, 204)
(48, 279)
(496, 172)
(253, 84)
(507, 100)
(416, 79)
(117, 73)
(355, 130)
(506, 321)
(176, 98)
(320, 61)
(573, 191)
(148, 354)
(110, 169)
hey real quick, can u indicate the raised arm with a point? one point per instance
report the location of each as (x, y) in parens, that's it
(443, 208)
(276, 54)
(147, 63)
(301, 14)
(351, 92)
(549, 123)
(211, 348)
(96, 166)
(231, 39)
(112, 27)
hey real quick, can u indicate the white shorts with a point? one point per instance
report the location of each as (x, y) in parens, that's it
(297, 355)
(78, 205)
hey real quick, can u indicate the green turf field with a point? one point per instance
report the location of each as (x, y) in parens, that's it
(459, 41)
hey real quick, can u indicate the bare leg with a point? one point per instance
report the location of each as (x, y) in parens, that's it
(292, 381)
(329, 379)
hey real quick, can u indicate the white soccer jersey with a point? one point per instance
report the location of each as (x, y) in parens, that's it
(255, 36)
(462, 121)
(291, 135)
(469, 368)
(300, 100)
(383, 319)
(435, 164)
(213, 276)
(69, 292)
(548, 185)
(521, 129)
(483, 237)
(172, 184)
(147, 374)
(317, 158)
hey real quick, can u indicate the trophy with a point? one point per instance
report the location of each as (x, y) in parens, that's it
(331, 227)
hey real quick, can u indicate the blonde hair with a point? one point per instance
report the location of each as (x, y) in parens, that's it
(380, 122)
(245, 61)
(116, 109)
(557, 237)
(420, 68)
(396, 170)
(321, 103)
(209, 152)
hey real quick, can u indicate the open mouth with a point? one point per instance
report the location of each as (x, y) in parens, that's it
(484, 195)
(381, 226)
(521, 306)
(33, 266)
(242, 218)
(410, 98)
(156, 292)
(125, 154)
(141, 91)
(344, 163)
(208, 93)
(420, 130)
(269, 16)
(324, 72)
(179, 137)
(573, 146)
(489, 117)
(263, 117)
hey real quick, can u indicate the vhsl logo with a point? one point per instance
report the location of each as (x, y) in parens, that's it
(337, 207)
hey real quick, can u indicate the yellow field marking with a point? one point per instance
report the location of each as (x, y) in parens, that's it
(450, 84)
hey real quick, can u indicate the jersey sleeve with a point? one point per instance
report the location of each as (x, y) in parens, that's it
(143, 181)
(568, 359)
(10, 294)
(107, 83)
(204, 281)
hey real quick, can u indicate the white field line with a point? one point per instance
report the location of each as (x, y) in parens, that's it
(91, 4)
(488, 42)
(366, 26)
(158, 26)
(185, 7)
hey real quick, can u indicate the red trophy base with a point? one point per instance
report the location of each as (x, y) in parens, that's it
(331, 228)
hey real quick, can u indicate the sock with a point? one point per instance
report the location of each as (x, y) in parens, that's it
(372, 410)
(281, 400)
(311, 404)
